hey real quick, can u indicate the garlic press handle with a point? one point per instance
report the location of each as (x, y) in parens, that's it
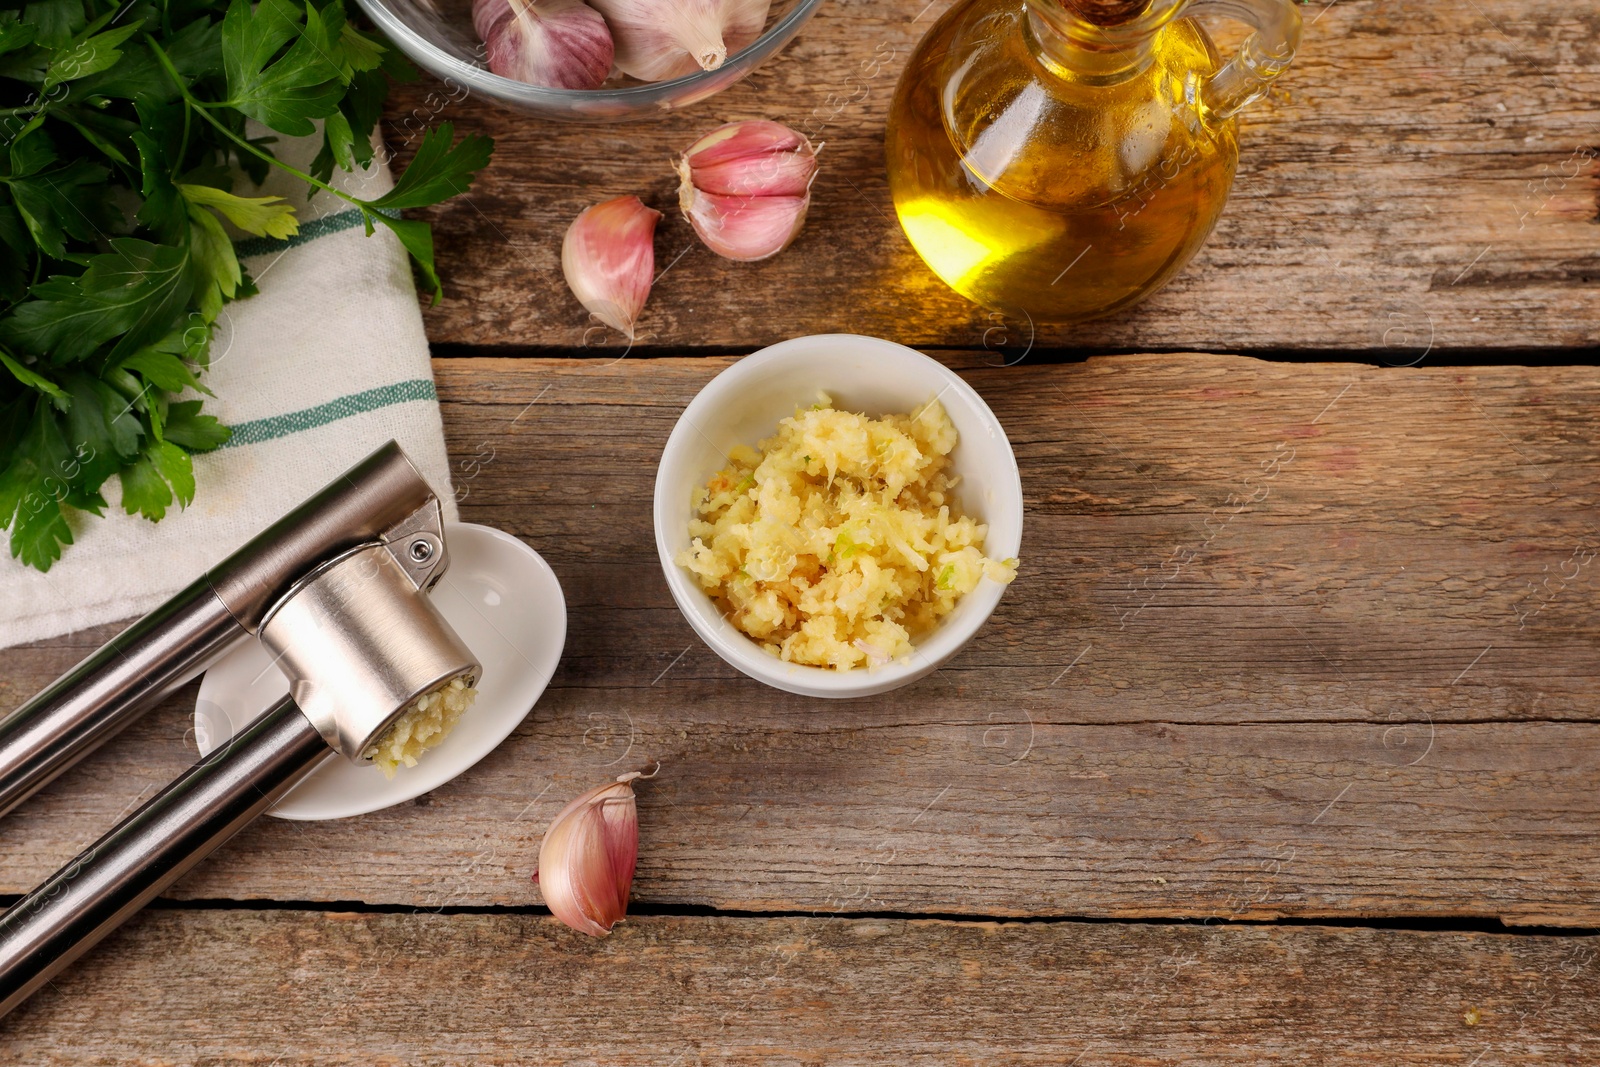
(153, 847)
(383, 499)
(91, 703)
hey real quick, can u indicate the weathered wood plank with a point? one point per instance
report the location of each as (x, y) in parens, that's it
(1426, 179)
(286, 988)
(881, 812)
(1346, 700)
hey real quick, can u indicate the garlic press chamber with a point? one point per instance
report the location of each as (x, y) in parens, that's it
(337, 592)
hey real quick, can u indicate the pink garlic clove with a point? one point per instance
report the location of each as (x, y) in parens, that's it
(587, 858)
(746, 186)
(739, 140)
(560, 44)
(785, 174)
(661, 39)
(744, 228)
(608, 257)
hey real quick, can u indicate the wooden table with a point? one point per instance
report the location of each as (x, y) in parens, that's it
(1244, 769)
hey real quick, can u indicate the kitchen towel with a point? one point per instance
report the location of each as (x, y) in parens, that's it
(327, 362)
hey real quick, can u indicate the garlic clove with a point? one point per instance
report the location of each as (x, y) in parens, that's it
(744, 228)
(588, 856)
(561, 44)
(741, 140)
(746, 186)
(785, 174)
(609, 260)
(661, 39)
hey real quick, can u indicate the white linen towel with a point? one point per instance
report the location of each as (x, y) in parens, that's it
(327, 362)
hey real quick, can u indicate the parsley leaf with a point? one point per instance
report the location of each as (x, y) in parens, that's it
(283, 91)
(31, 379)
(264, 216)
(418, 241)
(194, 431)
(56, 204)
(438, 171)
(88, 56)
(31, 491)
(216, 260)
(122, 135)
(55, 21)
(130, 295)
(163, 370)
(162, 473)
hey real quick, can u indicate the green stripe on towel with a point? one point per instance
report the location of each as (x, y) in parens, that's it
(309, 231)
(258, 430)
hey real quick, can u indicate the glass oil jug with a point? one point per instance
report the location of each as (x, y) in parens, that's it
(1063, 159)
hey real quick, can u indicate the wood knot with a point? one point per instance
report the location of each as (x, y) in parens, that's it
(1107, 12)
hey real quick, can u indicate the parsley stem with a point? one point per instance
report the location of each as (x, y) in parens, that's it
(202, 109)
(274, 160)
(183, 145)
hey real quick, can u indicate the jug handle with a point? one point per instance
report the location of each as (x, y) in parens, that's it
(1263, 56)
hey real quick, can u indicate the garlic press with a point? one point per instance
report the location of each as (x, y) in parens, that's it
(337, 592)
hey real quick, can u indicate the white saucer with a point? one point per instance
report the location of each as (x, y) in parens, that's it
(504, 601)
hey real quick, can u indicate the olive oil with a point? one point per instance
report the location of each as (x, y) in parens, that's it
(1053, 181)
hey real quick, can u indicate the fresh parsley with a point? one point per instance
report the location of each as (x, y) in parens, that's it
(122, 131)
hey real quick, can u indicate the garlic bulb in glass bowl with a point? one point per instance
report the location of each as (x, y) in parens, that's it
(661, 39)
(561, 44)
(439, 36)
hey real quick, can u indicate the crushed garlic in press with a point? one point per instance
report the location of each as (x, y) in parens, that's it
(422, 726)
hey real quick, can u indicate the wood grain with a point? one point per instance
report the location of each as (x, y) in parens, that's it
(1424, 181)
(287, 988)
(1370, 691)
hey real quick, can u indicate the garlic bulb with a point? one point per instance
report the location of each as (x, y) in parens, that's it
(661, 39)
(587, 859)
(746, 186)
(562, 44)
(609, 260)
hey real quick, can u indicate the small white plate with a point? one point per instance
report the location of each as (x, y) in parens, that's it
(504, 601)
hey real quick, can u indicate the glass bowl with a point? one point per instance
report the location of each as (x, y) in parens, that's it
(439, 38)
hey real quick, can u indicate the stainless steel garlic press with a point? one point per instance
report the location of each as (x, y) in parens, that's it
(337, 591)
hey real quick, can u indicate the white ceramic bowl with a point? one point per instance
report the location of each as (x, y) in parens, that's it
(743, 404)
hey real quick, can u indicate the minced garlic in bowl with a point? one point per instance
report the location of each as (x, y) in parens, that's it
(421, 726)
(837, 540)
